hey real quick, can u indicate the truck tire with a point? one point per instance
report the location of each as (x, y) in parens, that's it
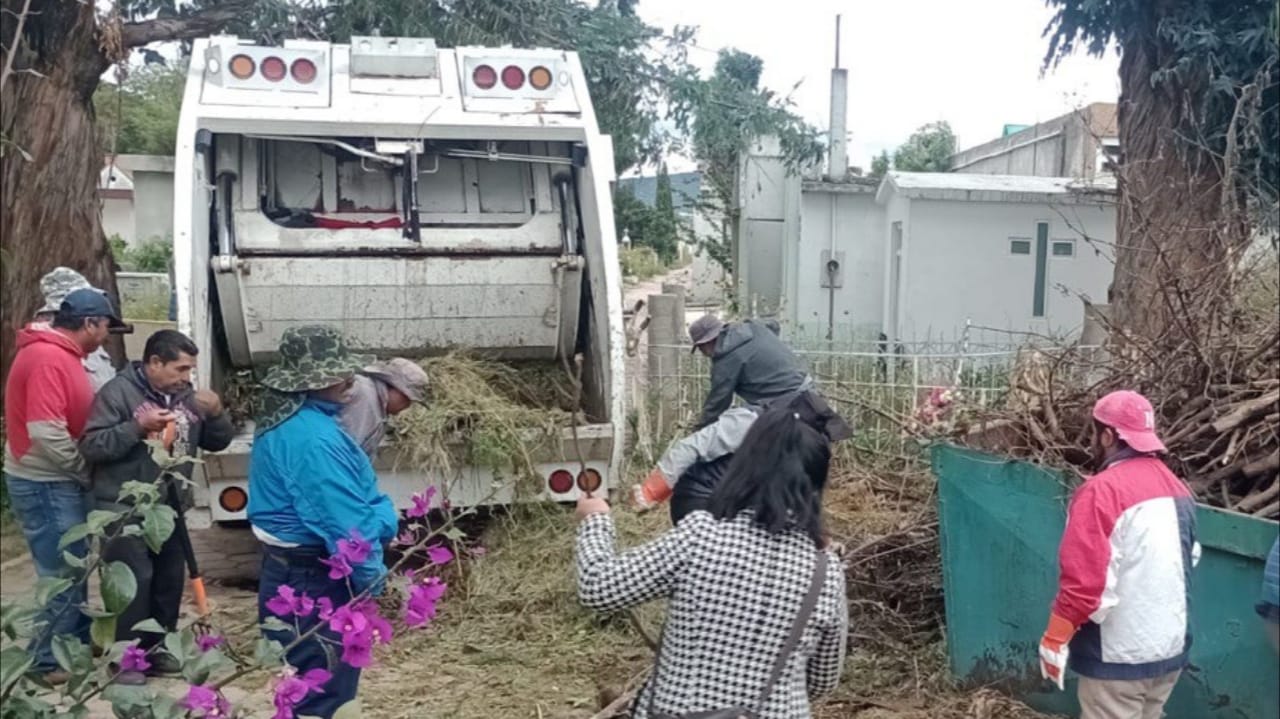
(227, 554)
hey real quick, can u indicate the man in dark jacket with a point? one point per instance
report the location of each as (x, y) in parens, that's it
(748, 359)
(153, 399)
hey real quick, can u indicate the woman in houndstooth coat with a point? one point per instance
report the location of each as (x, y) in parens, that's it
(736, 576)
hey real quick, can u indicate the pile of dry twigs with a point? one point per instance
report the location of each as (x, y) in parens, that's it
(1217, 404)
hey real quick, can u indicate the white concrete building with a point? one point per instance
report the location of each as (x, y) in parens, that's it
(918, 255)
(136, 192)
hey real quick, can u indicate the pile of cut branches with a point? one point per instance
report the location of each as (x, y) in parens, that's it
(1217, 406)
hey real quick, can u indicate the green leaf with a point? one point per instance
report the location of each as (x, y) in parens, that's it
(149, 625)
(19, 618)
(103, 631)
(100, 519)
(274, 624)
(118, 586)
(198, 671)
(268, 653)
(73, 535)
(125, 700)
(131, 530)
(49, 587)
(157, 526)
(182, 645)
(166, 707)
(455, 534)
(140, 494)
(14, 662)
(71, 654)
(74, 561)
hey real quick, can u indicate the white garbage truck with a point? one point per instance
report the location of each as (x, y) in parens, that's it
(416, 198)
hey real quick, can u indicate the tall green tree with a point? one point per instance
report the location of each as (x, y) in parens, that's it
(881, 164)
(929, 149)
(1199, 118)
(140, 115)
(665, 240)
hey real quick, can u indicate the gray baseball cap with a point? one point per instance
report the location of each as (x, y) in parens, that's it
(705, 329)
(404, 375)
(57, 284)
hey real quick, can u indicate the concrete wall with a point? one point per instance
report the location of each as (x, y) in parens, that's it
(858, 231)
(118, 217)
(768, 199)
(1065, 146)
(153, 205)
(959, 266)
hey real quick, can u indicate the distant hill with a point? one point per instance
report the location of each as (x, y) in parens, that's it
(685, 187)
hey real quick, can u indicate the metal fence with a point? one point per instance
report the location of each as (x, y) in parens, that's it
(884, 394)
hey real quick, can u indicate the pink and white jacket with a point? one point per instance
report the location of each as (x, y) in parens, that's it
(1125, 570)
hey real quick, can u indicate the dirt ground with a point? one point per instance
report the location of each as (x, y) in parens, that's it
(511, 640)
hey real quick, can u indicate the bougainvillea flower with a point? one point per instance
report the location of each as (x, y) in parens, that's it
(206, 702)
(421, 503)
(420, 608)
(134, 659)
(209, 642)
(355, 549)
(439, 554)
(287, 603)
(338, 566)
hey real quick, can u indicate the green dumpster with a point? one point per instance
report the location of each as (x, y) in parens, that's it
(1000, 521)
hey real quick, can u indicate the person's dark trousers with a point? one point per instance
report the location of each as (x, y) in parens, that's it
(301, 569)
(161, 578)
(46, 510)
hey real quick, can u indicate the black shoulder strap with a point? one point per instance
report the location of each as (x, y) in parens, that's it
(797, 628)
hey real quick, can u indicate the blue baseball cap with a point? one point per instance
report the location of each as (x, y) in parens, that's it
(89, 302)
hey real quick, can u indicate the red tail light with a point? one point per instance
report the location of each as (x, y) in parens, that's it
(589, 480)
(273, 69)
(233, 499)
(512, 77)
(560, 481)
(484, 77)
(303, 71)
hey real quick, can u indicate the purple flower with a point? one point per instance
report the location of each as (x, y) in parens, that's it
(209, 642)
(361, 627)
(379, 629)
(206, 702)
(407, 538)
(356, 549)
(439, 554)
(287, 603)
(421, 504)
(292, 689)
(357, 650)
(134, 659)
(338, 567)
(325, 605)
(420, 609)
(346, 621)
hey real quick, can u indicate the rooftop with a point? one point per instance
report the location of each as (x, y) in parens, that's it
(991, 188)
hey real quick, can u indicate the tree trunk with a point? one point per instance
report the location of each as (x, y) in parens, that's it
(50, 160)
(1174, 238)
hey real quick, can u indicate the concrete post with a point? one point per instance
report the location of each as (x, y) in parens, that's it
(665, 326)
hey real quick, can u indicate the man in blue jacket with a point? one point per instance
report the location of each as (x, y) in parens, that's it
(310, 485)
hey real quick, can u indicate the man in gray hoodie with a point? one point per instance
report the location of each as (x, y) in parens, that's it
(151, 400)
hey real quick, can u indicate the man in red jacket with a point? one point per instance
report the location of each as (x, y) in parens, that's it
(46, 404)
(1120, 617)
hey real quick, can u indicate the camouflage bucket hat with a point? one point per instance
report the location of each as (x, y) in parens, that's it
(276, 407)
(57, 284)
(313, 357)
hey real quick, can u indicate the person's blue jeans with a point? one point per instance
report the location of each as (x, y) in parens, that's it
(301, 569)
(46, 510)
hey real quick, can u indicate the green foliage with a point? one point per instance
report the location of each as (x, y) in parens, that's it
(881, 165)
(665, 227)
(140, 115)
(641, 263)
(1203, 55)
(151, 255)
(644, 224)
(929, 149)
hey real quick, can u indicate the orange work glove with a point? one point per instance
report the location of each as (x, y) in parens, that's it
(653, 491)
(1054, 651)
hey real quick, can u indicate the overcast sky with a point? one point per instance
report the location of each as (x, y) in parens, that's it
(973, 63)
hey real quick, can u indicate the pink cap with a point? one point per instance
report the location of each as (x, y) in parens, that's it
(1132, 417)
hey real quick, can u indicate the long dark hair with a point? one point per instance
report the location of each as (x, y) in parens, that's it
(778, 473)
